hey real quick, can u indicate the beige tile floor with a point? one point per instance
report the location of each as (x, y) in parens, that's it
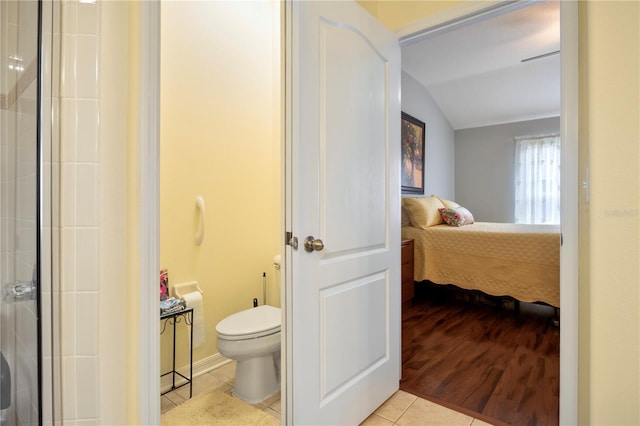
(219, 379)
(403, 409)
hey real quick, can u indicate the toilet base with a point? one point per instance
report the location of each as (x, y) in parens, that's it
(256, 379)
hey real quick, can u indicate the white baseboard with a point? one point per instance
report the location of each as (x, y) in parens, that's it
(200, 367)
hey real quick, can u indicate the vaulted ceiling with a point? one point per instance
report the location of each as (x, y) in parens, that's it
(479, 74)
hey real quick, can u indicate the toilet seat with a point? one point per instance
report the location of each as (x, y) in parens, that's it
(250, 324)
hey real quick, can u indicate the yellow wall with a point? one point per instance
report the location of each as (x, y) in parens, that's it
(115, 365)
(396, 13)
(220, 139)
(612, 129)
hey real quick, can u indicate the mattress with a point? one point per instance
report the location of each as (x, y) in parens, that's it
(501, 259)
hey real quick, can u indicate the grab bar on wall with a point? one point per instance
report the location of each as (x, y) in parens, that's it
(200, 234)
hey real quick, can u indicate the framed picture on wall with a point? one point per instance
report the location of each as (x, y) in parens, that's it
(412, 168)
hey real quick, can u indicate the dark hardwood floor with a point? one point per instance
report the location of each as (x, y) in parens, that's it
(482, 358)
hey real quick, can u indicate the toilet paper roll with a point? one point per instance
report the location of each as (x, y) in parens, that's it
(194, 300)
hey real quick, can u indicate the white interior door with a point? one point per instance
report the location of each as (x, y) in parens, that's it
(343, 188)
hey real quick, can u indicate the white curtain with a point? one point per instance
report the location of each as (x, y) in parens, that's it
(537, 180)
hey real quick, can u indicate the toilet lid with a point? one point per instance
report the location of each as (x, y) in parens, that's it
(262, 320)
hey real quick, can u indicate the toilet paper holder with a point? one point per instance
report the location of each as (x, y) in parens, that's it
(179, 290)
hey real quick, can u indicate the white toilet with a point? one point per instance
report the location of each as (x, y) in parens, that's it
(252, 339)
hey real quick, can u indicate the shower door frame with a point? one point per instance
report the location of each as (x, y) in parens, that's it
(49, 194)
(46, 194)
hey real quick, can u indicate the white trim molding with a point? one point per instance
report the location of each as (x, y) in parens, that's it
(569, 261)
(199, 368)
(149, 220)
(456, 17)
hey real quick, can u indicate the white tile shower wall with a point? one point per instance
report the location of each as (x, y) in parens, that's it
(79, 211)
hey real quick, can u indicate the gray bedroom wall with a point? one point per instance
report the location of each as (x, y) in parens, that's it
(439, 175)
(484, 159)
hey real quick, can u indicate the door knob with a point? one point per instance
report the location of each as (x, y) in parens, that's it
(311, 244)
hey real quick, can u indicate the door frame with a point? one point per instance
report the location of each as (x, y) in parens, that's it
(149, 215)
(149, 220)
(569, 260)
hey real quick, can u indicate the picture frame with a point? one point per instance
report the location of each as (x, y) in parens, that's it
(412, 154)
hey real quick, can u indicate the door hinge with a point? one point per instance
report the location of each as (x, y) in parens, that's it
(291, 240)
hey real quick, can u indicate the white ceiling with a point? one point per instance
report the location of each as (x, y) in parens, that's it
(475, 73)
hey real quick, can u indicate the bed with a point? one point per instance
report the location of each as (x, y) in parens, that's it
(500, 259)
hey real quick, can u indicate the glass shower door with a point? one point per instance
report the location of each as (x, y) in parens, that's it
(20, 362)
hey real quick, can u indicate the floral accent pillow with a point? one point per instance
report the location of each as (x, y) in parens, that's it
(457, 216)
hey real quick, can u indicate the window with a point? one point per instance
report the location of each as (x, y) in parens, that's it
(537, 180)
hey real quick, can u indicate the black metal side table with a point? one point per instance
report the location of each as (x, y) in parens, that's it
(173, 318)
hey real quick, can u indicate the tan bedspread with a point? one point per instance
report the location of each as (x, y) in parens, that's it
(500, 259)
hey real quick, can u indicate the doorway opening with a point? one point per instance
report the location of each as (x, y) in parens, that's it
(220, 187)
(568, 128)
